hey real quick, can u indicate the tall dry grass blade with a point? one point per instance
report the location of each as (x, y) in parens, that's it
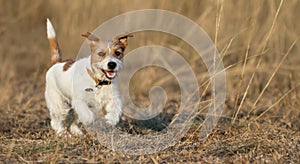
(251, 33)
(240, 83)
(218, 20)
(264, 48)
(272, 26)
(224, 52)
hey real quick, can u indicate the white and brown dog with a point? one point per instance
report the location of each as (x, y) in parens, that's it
(97, 74)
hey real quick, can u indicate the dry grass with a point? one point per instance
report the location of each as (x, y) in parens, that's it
(259, 44)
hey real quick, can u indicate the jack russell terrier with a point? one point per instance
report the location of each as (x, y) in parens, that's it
(97, 75)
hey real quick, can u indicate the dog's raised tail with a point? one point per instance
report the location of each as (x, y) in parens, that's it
(55, 54)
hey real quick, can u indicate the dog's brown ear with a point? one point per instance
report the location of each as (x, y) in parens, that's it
(92, 39)
(90, 36)
(122, 39)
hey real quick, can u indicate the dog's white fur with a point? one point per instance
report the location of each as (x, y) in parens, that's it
(61, 95)
(50, 30)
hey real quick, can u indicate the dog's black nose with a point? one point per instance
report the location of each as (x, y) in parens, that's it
(111, 65)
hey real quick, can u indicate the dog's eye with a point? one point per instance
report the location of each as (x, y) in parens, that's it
(100, 53)
(118, 53)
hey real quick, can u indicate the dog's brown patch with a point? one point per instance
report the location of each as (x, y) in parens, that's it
(68, 64)
(104, 112)
(54, 51)
(122, 39)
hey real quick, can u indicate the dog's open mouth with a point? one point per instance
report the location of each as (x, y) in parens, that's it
(109, 74)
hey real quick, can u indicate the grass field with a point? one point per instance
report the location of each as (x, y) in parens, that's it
(259, 44)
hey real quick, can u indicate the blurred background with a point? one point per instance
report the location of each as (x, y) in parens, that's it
(247, 34)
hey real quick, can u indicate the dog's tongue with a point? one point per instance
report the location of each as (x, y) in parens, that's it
(110, 74)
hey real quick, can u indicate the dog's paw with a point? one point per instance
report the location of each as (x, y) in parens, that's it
(112, 119)
(63, 133)
(74, 129)
(86, 118)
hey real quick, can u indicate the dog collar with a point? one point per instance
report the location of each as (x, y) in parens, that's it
(98, 82)
(104, 82)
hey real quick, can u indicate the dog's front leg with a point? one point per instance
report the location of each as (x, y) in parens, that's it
(85, 115)
(114, 111)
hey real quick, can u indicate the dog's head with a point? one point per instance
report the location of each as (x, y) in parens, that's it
(106, 56)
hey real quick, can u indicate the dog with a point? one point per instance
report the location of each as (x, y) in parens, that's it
(96, 74)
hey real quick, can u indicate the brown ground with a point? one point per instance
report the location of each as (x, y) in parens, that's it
(262, 91)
